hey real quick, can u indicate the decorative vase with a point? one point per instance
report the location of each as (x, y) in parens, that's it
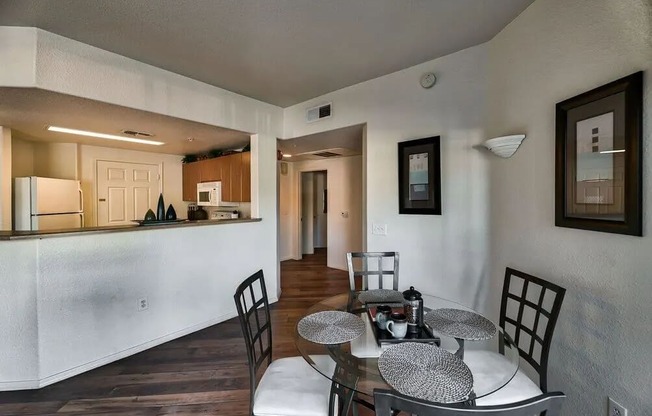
(170, 214)
(160, 210)
(150, 216)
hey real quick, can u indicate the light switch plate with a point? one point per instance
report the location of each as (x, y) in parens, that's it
(379, 229)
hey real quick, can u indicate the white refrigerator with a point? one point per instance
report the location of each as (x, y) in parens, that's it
(47, 204)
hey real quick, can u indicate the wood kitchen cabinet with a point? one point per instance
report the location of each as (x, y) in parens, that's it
(234, 171)
(191, 177)
(211, 169)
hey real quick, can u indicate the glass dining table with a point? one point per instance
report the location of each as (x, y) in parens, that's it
(493, 362)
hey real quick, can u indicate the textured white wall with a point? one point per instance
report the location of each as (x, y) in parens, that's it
(17, 54)
(18, 318)
(85, 286)
(72, 67)
(555, 50)
(87, 309)
(443, 255)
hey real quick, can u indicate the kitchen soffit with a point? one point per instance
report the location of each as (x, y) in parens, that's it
(28, 112)
(282, 52)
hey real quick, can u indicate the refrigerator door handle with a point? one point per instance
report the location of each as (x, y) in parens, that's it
(81, 201)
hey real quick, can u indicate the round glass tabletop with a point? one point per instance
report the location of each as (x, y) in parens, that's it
(493, 362)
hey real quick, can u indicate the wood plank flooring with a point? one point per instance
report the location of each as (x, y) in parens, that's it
(204, 373)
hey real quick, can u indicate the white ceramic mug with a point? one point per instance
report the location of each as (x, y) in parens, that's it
(397, 325)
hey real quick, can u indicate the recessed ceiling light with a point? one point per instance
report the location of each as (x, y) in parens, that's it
(287, 155)
(102, 135)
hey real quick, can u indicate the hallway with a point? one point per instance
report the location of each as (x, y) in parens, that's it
(201, 373)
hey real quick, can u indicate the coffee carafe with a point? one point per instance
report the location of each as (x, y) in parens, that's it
(413, 304)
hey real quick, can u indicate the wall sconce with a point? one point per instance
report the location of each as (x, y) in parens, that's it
(504, 146)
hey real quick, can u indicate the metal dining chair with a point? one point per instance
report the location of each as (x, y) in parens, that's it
(289, 386)
(372, 264)
(388, 402)
(529, 310)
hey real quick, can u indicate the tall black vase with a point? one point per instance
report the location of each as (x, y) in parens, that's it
(160, 210)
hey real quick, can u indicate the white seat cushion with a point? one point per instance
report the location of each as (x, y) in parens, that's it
(488, 367)
(291, 387)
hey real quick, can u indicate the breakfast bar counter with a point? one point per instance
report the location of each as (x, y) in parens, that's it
(22, 235)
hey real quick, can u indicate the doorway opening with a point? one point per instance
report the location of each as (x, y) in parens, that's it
(321, 195)
(314, 209)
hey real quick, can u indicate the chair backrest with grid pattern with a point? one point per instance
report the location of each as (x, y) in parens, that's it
(373, 265)
(386, 402)
(528, 313)
(253, 310)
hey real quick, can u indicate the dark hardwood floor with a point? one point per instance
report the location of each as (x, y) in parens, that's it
(204, 373)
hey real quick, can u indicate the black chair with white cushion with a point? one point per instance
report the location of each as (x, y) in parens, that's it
(388, 403)
(289, 386)
(376, 265)
(529, 310)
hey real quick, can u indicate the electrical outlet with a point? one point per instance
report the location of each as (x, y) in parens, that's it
(379, 229)
(616, 409)
(143, 304)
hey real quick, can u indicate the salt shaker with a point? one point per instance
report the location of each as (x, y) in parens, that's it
(413, 304)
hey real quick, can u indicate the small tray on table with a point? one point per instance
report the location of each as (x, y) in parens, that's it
(384, 337)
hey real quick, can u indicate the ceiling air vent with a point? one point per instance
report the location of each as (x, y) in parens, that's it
(327, 154)
(319, 113)
(135, 133)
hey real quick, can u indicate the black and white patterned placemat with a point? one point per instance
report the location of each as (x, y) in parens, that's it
(380, 295)
(426, 372)
(460, 324)
(331, 327)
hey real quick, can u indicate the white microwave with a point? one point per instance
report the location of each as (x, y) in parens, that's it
(209, 194)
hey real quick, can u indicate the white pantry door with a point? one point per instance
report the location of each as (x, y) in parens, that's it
(125, 191)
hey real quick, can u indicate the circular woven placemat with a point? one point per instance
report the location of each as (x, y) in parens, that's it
(460, 324)
(426, 372)
(380, 295)
(331, 327)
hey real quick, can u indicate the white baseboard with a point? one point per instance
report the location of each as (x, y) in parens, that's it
(54, 378)
(51, 379)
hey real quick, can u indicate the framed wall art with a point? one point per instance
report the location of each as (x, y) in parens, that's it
(419, 177)
(598, 167)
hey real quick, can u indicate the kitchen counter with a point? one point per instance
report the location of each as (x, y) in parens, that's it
(23, 235)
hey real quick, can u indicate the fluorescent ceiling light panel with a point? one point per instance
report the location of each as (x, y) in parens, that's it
(612, 151)
(103, 135)
(287, 155)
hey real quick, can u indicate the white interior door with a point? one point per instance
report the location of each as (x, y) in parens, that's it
(307, 210)
(125, 191)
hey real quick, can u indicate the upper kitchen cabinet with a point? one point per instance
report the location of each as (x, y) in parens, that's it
(191, 177)
(234, 171)
(211, 169)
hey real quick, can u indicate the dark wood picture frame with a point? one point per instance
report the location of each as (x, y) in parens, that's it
(604, 193)
(422, 193)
